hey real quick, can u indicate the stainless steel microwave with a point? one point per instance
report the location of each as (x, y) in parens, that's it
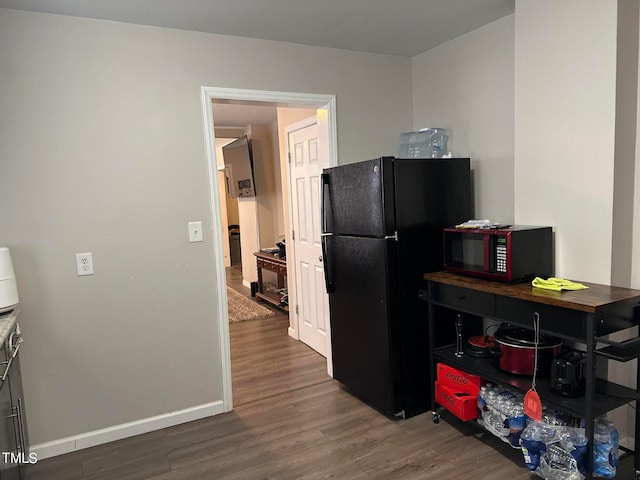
(509, 254)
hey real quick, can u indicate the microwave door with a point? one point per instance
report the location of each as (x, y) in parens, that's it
(464, 251)
(472, 252)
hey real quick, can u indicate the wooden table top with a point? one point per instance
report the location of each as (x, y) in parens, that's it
(594, 299)
(270, 256)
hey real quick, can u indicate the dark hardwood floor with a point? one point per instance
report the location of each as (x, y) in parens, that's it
(292, 421)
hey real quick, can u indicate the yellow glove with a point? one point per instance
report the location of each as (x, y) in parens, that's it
(557, 284)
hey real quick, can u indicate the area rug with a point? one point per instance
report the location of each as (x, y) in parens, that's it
(242, 308)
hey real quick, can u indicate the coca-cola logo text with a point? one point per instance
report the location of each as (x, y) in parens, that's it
(448, 398)
(457, 378)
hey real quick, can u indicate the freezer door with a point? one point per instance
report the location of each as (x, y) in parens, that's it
(364, 340)
(357, 199)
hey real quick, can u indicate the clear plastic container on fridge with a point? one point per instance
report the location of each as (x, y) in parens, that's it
(424, 143)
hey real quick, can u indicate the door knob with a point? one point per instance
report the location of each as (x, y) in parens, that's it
(320, 258)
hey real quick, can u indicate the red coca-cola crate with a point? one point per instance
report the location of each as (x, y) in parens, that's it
(461, 404)
(459, 381)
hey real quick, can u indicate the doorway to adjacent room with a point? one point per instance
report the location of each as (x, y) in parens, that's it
(325, 105)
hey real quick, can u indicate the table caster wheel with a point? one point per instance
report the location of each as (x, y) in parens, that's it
(435, 416)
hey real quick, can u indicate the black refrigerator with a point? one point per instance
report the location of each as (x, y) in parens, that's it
(382, 224)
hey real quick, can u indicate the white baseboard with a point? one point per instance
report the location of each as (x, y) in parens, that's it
(125, 430)
(293, 334)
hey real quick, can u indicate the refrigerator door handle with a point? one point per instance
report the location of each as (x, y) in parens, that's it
(324, 183)
(328, 280)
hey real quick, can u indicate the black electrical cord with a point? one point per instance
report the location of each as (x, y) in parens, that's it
(486, 330)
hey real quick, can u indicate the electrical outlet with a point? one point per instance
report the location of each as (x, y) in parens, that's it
(84, 264)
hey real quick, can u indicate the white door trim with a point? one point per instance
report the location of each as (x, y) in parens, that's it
(326, 115)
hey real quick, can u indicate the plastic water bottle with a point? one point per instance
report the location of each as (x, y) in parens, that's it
(497, 418)
(605, 448)
(503, 411)
(489, 415)
(490, 400)
(501, 406)
(414, 144)
(508, 408)
(481, 404)
(438, 142)
(517, 422)
(419, 144)
(403, 145)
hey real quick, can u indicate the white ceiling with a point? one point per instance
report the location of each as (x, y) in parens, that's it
(233, 115)
(398, 27)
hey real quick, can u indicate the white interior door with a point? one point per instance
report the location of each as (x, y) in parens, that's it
(311, 302)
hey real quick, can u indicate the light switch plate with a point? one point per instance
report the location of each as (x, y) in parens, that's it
(195, 232)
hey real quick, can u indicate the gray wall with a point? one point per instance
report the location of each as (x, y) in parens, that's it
(565, 129)
(103, 151)
(576, 130)
(466, 86)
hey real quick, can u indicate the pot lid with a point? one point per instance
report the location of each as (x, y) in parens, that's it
(481, 341)
(522, 337)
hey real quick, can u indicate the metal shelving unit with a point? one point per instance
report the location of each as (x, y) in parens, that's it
(584, 317)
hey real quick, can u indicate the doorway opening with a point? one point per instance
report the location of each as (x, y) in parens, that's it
(324, 105)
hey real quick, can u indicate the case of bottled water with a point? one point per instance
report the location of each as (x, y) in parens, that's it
(502, 413)
(424, 143)
(555, 451)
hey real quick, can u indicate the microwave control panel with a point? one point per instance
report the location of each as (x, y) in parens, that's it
(501, 255)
